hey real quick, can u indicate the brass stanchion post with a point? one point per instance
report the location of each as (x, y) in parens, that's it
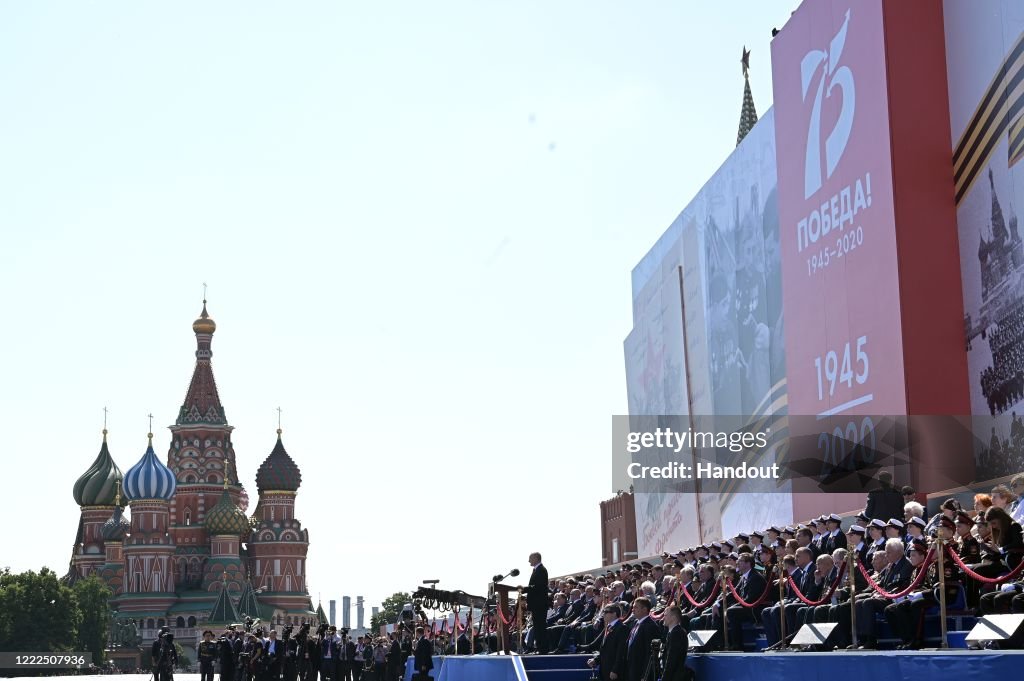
(519, 622)
(853, 595)
(941, 548)
(725, 610)
(782, 607)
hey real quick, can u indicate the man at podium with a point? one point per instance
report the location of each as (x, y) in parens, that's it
(538, 600)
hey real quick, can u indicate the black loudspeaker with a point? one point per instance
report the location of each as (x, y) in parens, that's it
(822, 634)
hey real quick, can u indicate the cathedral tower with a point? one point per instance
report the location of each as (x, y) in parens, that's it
(279, 544)
(95, 492)
(200, 457)
(149, 577)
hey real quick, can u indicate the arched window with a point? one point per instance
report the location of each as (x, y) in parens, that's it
(190, 478)
(211, 479)
(188, 516)
(180, 623)
(191, 622)
(150, 624)
(161, 623)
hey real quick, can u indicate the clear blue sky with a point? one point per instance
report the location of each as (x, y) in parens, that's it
(417, 221)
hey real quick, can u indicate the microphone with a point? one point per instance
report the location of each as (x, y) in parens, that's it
(498, 578)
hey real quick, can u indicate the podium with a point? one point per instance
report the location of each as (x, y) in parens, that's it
(502, 591)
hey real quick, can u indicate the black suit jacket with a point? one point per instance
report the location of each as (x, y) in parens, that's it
(612, 655)
(462, 645)
(424, 655)
(537, 599)
(395, 652)
(898, 575)
(884, 503)
(676, 645)
(751, 586)
(638, 652)
(273, 662)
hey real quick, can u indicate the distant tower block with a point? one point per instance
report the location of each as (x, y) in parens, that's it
(346, 612)
(374, 611)
(334, 613)
(359, 612)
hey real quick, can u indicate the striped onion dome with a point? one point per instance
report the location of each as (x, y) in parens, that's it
(243, 500)
(97, 485)
(226, 518)
(149, 478)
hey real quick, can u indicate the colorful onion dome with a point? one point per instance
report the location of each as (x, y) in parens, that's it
(116, 527)
(278, 472)
(226, 518)
(243, 500)
(97, 486)
(149, 478)
(204, 324)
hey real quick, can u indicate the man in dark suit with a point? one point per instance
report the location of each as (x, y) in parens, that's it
(886, 501)
(273, 651)
(802, 572)
(227, 656)
(395, 659)
(424, 659)
(676, 645)
(538, 601)
(750, 587)
(898, 576)
(611, 658)
(462, 644)
(638, 644)
(346, 658)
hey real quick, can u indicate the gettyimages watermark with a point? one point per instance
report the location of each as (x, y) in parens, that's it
(810, 454)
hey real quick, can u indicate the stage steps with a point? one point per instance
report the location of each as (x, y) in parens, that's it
(556, 667)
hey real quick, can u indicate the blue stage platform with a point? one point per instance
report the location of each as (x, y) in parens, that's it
(962, 665)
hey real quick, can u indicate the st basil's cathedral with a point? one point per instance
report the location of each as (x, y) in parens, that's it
(186, 555)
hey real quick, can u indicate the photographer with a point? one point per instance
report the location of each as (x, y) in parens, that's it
(226, 643)
(328, 651)
(154, 650)
(249, 662)
(293, 650)
(207, 655)
(166, 658)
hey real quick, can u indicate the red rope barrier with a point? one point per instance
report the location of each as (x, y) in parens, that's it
(975, 576)
(827, 597)
(508, 622)
(759, 601)
(922, 571)
(694, 603)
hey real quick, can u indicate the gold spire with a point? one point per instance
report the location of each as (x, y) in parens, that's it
(204, 324)
(279, 431)
(117, 495)
(227, 471)
(104, 424)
